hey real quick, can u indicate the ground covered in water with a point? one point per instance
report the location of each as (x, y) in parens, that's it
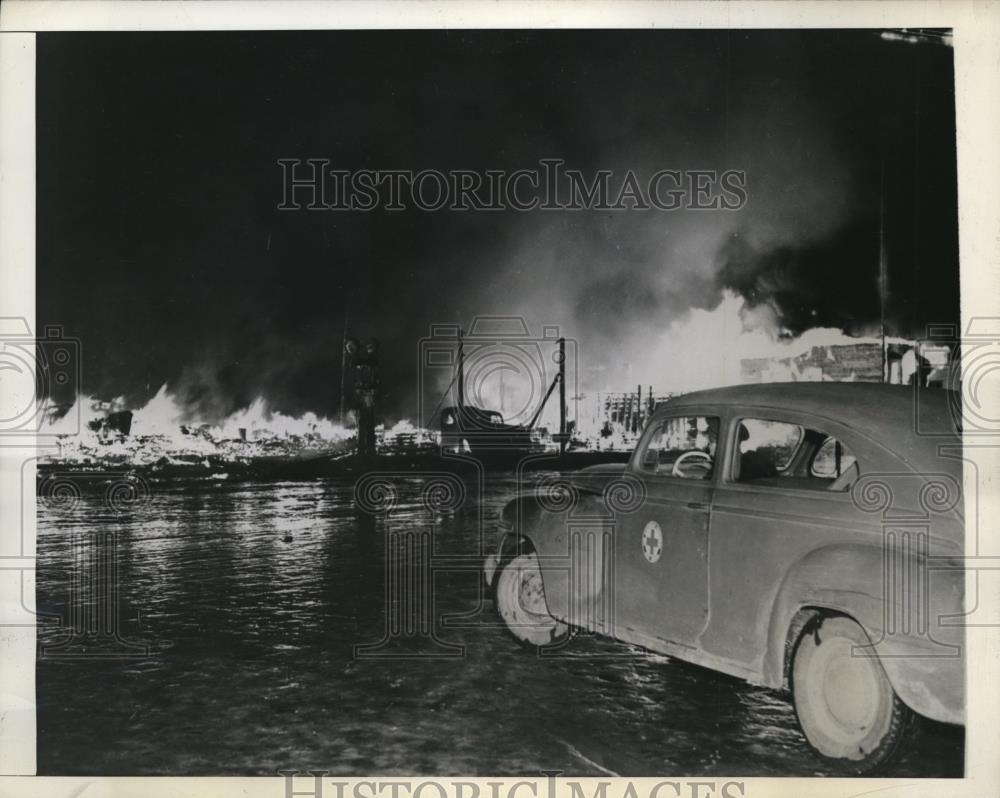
(278, 638)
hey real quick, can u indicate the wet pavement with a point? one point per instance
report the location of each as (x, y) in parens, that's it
(253, 600)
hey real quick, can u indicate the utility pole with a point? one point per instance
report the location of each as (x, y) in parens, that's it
(461, 371)
(365, 363)
(883, 277)
(562, 396)
(343, 368)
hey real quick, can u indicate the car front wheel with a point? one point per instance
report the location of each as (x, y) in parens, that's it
(520, 600)
(845, 704)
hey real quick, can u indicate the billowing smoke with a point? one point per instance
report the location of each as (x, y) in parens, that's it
(846, 164)
(168, 258)
(232, 372)
(829, 283)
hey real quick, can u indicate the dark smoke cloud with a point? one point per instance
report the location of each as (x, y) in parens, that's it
(829, 283)
(160, 245)
(230, 374)
(834, 282)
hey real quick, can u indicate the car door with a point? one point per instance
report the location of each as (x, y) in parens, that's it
(782, 492)
(661, 548)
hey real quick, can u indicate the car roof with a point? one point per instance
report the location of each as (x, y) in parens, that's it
(887, 414)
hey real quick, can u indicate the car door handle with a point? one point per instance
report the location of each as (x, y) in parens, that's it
(697, 506)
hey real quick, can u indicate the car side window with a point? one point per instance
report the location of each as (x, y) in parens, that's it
(833, 460)
(767, 447)
(780, 454)
(682, 446)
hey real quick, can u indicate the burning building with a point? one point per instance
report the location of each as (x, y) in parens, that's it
(613, 420)
(897, 363)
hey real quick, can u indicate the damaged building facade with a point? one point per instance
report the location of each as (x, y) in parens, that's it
(900, 363)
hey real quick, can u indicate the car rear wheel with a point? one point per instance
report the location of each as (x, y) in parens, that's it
(845, 704)
(520, 600)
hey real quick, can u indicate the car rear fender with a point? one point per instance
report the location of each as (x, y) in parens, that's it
(841, 578)
(912, 628)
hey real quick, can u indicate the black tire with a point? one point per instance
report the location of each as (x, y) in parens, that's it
(519, 595)
(844, 702)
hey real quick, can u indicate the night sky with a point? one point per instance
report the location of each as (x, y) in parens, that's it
(161, 247)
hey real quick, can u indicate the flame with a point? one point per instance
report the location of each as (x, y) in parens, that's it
(707, 348)
(404, 435)
(402, 427)
(163, 429)
(163, 415)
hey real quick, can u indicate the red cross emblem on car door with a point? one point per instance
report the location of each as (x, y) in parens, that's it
(652, 541)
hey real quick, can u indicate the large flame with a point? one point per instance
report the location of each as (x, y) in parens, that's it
(708, 347)
(704, 349)
(164, 430)
(163, 415)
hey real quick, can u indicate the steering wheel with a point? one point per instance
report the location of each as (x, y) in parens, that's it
(704, 463)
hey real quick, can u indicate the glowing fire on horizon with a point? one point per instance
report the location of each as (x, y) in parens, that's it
(703, 350)
(164, 432)
(164, 416)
